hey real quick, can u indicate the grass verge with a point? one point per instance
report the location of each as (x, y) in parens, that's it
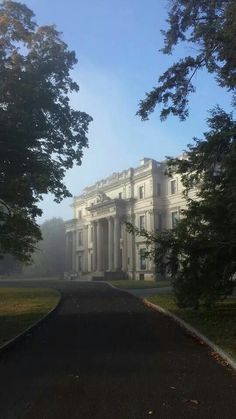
(218, 324)
(131, 284)
(21, 307)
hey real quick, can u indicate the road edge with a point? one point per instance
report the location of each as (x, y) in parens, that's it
(12, 341)
(194, 332)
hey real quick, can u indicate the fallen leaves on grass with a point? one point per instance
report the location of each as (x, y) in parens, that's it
(219, 359)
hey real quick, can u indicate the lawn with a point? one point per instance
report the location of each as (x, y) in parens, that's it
(131, 284)
(218, 324)
(21, 307)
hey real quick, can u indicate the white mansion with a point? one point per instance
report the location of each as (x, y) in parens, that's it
(97, 243)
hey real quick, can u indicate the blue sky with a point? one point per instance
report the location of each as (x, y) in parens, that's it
(117, 43)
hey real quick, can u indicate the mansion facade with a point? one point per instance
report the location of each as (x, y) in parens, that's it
(97, 243)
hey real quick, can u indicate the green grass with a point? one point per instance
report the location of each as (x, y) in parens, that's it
(129, 283)
(21, 307)
(218, 324)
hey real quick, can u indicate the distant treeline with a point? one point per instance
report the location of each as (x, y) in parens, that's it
(49, 257)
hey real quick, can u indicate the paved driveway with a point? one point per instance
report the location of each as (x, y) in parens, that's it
(104, 355)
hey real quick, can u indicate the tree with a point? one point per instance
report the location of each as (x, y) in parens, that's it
(49, 258)
(199, 254)
(41, 136)
(209, 27)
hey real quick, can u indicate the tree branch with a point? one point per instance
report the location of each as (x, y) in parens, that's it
(6, 206)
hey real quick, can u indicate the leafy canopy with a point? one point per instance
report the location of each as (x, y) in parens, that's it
(199, 254)
(41, 136)
(209, 27)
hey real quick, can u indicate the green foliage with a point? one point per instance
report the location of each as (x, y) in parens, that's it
(206, 236)
(209, 28)
(49, 258)
(40, 134)
(199, 254)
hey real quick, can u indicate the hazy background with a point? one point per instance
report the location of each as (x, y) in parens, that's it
(117, 43)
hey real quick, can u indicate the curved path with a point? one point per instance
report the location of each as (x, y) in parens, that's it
(104, 355)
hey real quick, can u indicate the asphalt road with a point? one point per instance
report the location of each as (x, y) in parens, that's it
(104, 355)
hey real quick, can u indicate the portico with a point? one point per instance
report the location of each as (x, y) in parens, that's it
(106, 246)
(106, 219)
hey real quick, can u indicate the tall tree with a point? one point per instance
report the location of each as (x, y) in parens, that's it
(209, 27)
(199, 254)
(41, 136)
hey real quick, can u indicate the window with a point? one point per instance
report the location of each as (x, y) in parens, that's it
(79, 214)
(174, 218)
(142, 221)
(80, 238)
(143, 261)
(141, 192)
(158, 189)
(159, 221)
(120, 195)
(173, 187)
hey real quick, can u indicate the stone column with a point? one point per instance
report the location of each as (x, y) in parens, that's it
(99, 246)
(151, 220)
(116, 243)
(94, 246)
(74, 243)
(85, 233)
(124, 253)
(151, 227)
(110, 244)
(133, 248)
